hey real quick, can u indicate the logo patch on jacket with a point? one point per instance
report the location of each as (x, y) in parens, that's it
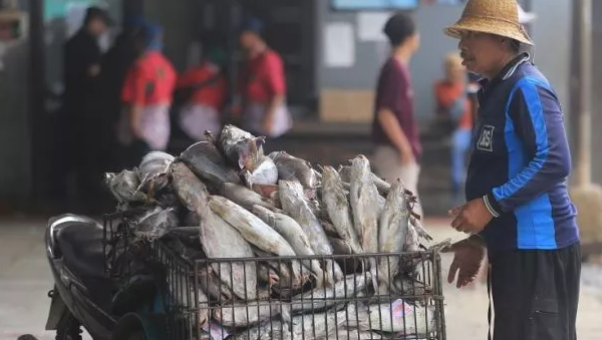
(485, 142)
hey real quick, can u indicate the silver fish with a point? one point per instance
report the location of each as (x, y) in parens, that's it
(124, 186)
(382, 186)
(242, 315)
(364, 206)
(220, 240)
(155, 223)
(294, 203)
(338, 208)
(244, 197)
(322, 297)
(393, 227)
(264, 172)
(293, 168)
(294, 234)
(190, 190)
(253, 229)
(409, 319)
(241, 148)
(205, 160)
(153, 172)
(215, 288)
(302, 326)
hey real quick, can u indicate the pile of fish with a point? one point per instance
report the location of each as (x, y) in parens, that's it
(224, 198)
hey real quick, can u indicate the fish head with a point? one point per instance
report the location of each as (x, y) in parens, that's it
(108, 177)
(249, 152)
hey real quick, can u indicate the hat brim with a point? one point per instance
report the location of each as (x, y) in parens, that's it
(487, 26)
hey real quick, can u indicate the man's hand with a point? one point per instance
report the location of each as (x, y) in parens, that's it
(468, 257)
(472, 217)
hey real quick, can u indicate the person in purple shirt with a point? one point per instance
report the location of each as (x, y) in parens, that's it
(394, 128)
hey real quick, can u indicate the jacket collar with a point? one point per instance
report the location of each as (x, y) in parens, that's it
(507, 71)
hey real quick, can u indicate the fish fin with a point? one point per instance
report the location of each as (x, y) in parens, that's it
(420, 229)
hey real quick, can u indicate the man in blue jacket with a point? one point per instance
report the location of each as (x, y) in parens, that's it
(518, 205)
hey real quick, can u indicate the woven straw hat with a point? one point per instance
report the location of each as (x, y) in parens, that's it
(499, 17)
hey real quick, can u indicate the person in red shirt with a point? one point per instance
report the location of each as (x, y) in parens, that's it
(209, 88)
(147, 95)
(263, 85)
(453, 105)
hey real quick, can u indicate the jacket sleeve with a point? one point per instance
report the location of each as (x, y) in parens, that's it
(539, 125)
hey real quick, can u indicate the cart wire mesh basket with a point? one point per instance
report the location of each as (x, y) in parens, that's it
(304, 297)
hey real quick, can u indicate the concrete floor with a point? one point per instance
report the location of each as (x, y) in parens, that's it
(25, 280)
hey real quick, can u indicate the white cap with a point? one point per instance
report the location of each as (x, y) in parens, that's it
(525, 17)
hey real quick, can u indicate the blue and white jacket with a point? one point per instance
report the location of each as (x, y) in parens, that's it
(520, 162)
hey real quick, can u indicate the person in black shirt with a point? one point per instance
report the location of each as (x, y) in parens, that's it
(115, 65)
(82, 57)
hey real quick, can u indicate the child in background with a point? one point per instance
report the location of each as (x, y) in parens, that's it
(454, 107)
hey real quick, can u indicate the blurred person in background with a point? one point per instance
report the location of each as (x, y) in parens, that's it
(451, 94)
(263, 85)
(82, 57)
(115, 64)
(394, 129)
(202, 92)
(147, 96)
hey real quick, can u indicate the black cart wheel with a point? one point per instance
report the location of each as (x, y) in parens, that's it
(68, 329)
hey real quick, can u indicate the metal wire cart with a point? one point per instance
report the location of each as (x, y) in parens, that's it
(267, 297)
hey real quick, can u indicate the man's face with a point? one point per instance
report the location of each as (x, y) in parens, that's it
(481, 52)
